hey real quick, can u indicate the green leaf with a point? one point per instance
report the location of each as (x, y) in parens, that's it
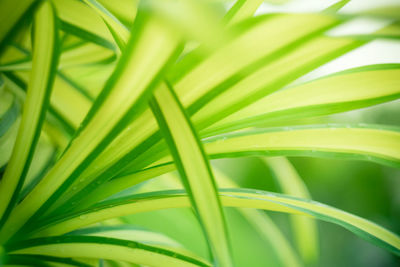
(124, 10)
(241, 198)
(337, 6)
(264, 226)
(305, 229)
(141, 134)
(353, 89)
(103, 247)
(43, 158)
(137, 234)
(357, 142)
(10, 14)
(45, 56)
(194, 170)
(9, 111)
(41, 261)
(122, 182)
(364, 142)
(7, 142)
(241, 10)
(264, 38)
(193, 15)
(82, 54)
(290, 65)
(119, 32)
(387, 11)
(64, 97)
(140, 67)
(79, 19)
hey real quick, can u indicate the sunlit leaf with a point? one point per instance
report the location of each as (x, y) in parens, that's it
(243, 198)
(305, 229)
(106, 248)
(38, 96)
(194, 170)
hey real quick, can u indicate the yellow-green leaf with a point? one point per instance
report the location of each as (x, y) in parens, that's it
(45, 58)
(194, 170)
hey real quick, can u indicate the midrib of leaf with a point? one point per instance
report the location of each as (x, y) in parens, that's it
(194, 170)
(45, 56)
(110, 113)
(243, 198)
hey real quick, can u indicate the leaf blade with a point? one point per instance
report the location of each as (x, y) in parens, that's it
(45, 58)
(112, 106)
(194, 169)
(345, 91)
(108, 248)
(305, 229)
(242, 198)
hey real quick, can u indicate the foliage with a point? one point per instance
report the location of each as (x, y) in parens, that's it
(101, 101)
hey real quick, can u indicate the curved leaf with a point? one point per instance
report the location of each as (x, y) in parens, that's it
(10, 14)
(142, 133)
(45, 58)
(304, 229)
(364, 142)
(273, 76)
(119, 32)
(377, 144)
(103, 247)
(141, 67)
(194, 170)
(80, 20)
(352, 89)
(241, 10)
(265, 227)
(243, 198)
